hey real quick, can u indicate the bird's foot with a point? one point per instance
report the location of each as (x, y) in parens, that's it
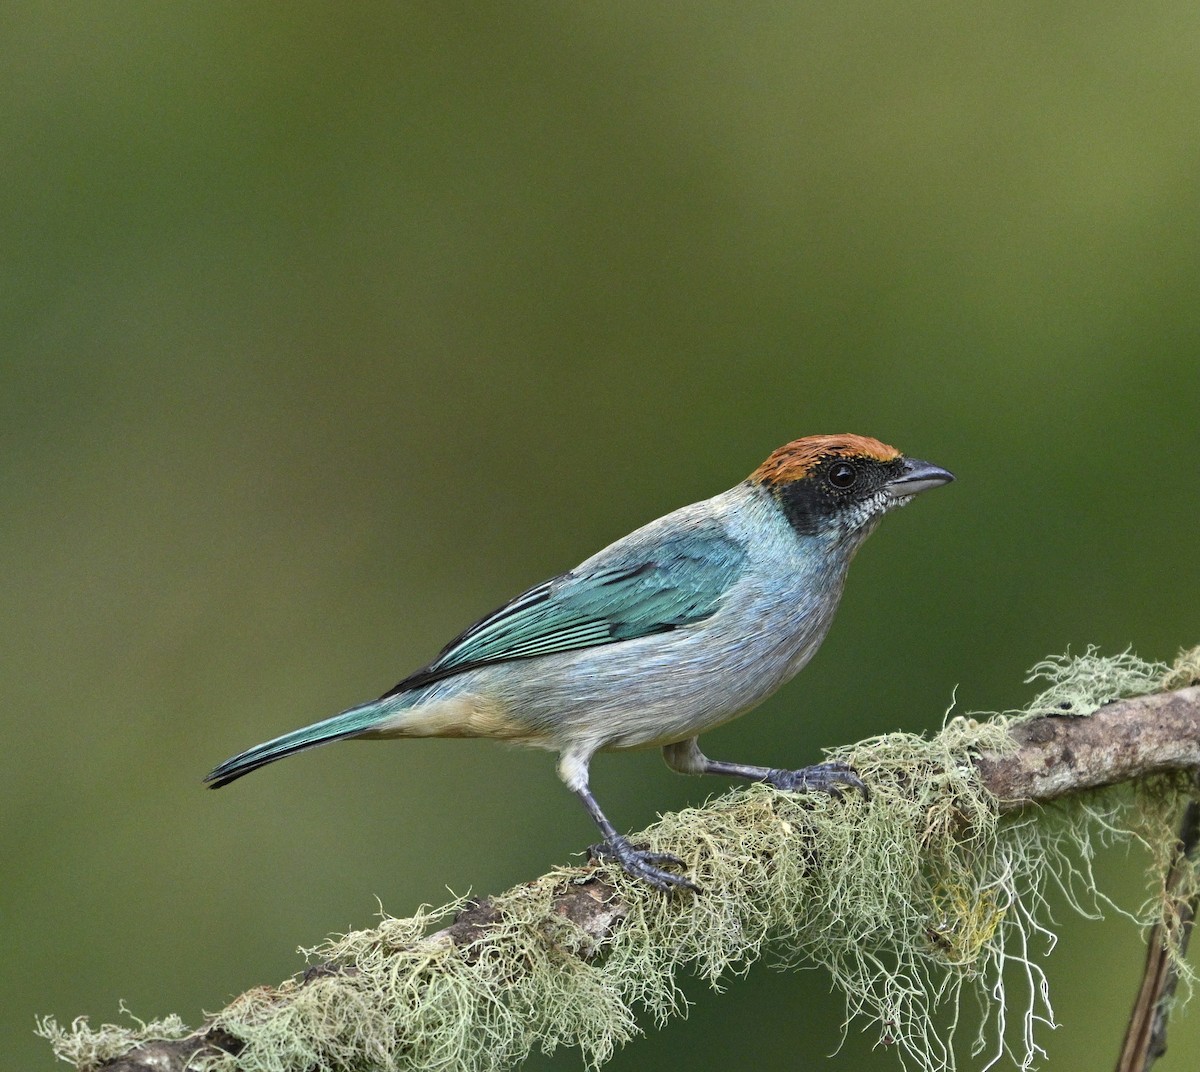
(643, 864)
(829, 778)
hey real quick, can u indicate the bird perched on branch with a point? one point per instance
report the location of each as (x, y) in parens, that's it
(674, 629)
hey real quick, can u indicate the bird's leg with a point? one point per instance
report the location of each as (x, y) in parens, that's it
(640, 863)
(831, 778)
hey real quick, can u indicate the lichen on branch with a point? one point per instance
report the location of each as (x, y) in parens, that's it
(932, 890)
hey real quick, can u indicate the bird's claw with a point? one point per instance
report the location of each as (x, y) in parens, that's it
(829, 778)
(643, 864)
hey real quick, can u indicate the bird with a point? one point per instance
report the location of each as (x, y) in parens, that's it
(677, 628)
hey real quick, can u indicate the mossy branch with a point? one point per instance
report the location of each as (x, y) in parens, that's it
(934, 886)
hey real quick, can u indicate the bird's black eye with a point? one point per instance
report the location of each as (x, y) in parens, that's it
(842, 475)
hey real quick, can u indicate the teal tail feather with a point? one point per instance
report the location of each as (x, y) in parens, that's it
(336, 728)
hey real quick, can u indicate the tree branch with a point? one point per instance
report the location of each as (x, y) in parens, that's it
(1057, 755)
(1146, 1035)
(1048, 758)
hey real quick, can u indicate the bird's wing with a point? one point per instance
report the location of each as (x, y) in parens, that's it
(633, 589)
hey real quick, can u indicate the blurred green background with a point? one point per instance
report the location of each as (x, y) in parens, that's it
(326, 328)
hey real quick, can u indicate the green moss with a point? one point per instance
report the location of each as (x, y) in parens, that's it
(911, 901)
(86, 1047)
(1079, 684)
(1186, 670)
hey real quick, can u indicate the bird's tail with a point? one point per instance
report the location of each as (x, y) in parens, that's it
(349, 723)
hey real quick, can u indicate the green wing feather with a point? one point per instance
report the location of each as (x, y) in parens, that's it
(634, 589)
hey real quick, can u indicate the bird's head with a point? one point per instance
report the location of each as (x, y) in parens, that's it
(841, 485)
